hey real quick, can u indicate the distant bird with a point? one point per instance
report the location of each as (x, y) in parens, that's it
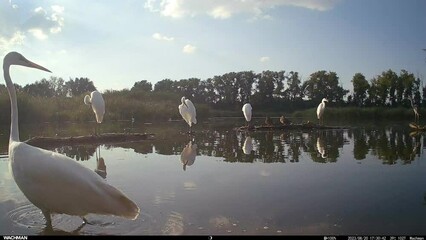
(415, 110)
(248, 146)
(187, 157)
(284, 120)
(188, 112)
(53, 182)
(98, 105)
(247, 112)
(320, 111)
(268, 121)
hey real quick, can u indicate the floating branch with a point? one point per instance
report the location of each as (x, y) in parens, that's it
(90, 139)
(303, 126)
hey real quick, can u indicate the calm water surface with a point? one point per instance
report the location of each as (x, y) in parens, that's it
(357, 181)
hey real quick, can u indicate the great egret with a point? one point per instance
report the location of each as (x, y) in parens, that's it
(320, 111)
(98, 105)
(53, 182)
(415, 110)
(268, 121)
(247, 112)
(187, 157)
(188, 112)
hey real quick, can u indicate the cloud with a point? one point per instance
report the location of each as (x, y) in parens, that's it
(38, 33)
(265, 59)
(224, 9)
(16, 39)
(21, 24)
(188, 48)
(161, 37)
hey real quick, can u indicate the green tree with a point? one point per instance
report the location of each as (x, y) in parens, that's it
(40, 88)
(143, 86)
(264, 89)
(361, 86)
(294, 90)
(324, 84)
(165, 85)
(79, 86)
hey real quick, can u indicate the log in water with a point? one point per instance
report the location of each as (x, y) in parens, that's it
(303, 126)
(90, 139)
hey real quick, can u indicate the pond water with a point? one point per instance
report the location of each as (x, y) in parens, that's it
(365, 180)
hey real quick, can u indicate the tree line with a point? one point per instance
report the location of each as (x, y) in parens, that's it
(267, 91)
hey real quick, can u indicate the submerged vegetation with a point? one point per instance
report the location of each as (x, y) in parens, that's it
(271, 93)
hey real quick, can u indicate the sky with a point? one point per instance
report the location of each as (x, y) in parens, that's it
(117, 43)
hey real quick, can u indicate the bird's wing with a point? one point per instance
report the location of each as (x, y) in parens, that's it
(183, 110)
(319, 111)
(58, 183)
(247, 112)
(98, 106)
(192, 111)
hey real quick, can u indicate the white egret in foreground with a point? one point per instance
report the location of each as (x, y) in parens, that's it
(188, 112)
(98, 105)
(320, 111)
(53, 182)
(247, 112)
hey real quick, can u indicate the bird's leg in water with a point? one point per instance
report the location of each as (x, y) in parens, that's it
(46, 214)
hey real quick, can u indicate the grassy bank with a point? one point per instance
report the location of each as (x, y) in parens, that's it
(360, 114)
(152, 108)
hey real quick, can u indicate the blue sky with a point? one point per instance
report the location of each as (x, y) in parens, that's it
(116, 43)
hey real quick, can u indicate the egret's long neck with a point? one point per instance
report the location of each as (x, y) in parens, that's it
(14, 131)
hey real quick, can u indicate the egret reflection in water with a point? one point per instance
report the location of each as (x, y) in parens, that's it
(189, 152)
(100, 164)
(321, 147)
(248, 145)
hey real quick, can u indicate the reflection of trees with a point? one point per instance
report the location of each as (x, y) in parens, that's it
(389, 145)
(80, 152)
(331, 141)
(360, 143)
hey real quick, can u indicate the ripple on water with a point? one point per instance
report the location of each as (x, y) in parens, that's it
(30, 217)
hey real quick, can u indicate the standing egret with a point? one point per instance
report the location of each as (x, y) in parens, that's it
(415, 110)
(320, 111)
(53, 182)
(187, 157)
(98, 105)
(247, 113)
(188, 112)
